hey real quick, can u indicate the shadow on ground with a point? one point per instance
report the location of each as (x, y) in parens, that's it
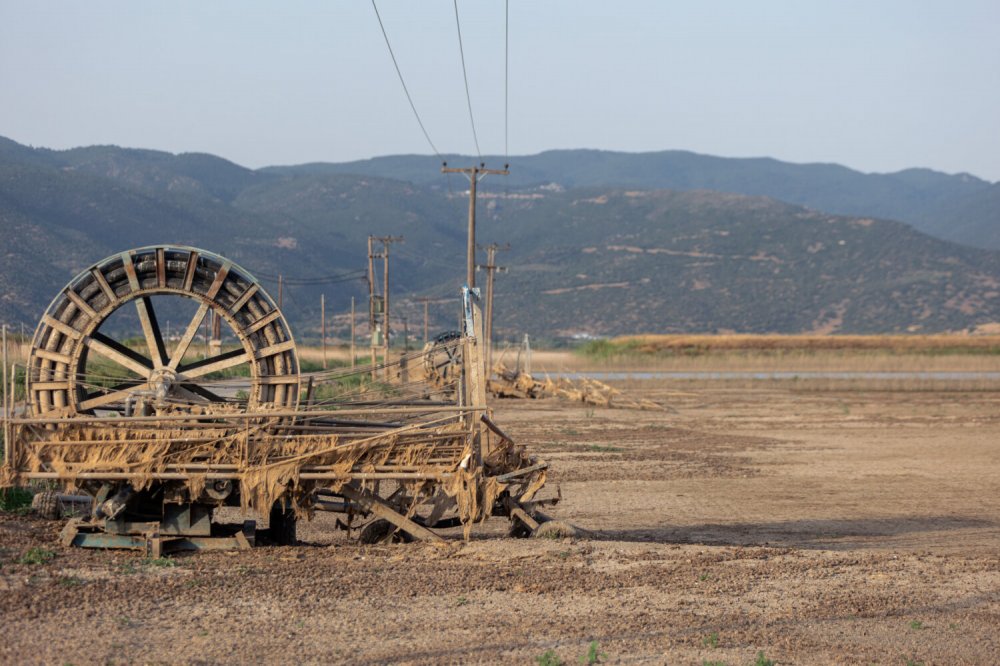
(827, 534)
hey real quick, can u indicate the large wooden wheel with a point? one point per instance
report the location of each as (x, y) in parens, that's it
(86, 355)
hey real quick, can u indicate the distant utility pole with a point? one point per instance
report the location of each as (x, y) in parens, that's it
(426, 301)
(322, 324)
(215, 346)
(490, 267)
(378, 306)
(354, 357)
(474, 174)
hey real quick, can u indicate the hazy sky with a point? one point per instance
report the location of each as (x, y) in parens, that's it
(877, 85)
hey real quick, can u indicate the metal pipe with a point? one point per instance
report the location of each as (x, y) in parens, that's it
(173, 476)
(171, 418)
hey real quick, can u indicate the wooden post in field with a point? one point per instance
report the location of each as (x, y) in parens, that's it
(491, 268)
(353, 355)
(322, 317)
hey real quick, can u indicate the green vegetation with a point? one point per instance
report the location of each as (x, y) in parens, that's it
(162, 562)
(594, 655)
(549, 658)
(712, 640)
(15, 499)
(37, 555)
(601, 448)
(706, 662)
(916, 625)
(762, 660)
(665, 346)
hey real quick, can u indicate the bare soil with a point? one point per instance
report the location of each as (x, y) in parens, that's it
(815, 526)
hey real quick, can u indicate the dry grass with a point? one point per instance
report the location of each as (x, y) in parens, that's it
(927, 344)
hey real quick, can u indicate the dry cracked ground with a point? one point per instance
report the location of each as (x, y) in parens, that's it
(813, 526)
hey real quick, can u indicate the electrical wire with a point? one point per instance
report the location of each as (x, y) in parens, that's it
(402, 82)
(506, 77)
(465, 76)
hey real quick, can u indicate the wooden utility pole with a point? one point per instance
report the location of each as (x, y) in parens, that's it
(474, 174)
(378, 312)
(322, 325)
(215, 344)
(490, 267)
(371, 301)
(426, 301)
(353, 355)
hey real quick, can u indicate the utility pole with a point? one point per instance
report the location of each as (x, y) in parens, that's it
(281, 285)
(490, 267)
(474, 174)
(378, 310)
(426, 301)
(322, 325)
(353, 355)
(215, 345)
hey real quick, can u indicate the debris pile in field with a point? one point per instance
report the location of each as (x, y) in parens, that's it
(507, 383)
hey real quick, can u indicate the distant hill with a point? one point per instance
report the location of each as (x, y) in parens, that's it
(929, 200)
(600, 259)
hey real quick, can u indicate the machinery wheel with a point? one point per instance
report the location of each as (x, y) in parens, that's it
(443, 360)
(382, 531)
(555, 529)
(82, 359)
(46, 505)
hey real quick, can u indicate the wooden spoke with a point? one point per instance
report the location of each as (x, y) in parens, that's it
(120, 354)
(151, 329)
(214, 364)
(200, 393)
(188, 337)
(119, 393)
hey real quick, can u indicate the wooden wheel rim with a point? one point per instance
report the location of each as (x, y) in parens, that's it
(70, 330)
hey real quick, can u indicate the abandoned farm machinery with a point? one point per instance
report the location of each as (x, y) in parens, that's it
(160, 431)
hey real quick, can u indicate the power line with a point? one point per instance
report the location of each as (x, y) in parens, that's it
(403, 83)
(468, 97)
(506, 75)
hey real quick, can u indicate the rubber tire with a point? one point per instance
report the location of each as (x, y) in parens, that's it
(46, 505)
(382, 531)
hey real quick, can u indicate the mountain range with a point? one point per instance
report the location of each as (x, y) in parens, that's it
(601, 243)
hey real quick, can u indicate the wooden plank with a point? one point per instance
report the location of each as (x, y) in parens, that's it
(161, 267)
(65, 329)
(105, 287)
(192, 268)
(133, 279)
(55, 357)
(247, 295)
(220, 277)
(380, 508)
(263, 321)
(288, 345)
(81, 304)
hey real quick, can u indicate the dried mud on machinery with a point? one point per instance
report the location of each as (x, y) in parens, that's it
(159, 438)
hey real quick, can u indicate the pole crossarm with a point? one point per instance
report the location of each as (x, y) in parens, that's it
(474, 174)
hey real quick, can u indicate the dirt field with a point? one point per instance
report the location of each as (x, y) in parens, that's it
(815, 526)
